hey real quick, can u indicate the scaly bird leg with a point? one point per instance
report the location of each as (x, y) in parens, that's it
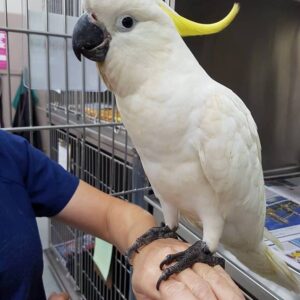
(198, 252)
(151, 235)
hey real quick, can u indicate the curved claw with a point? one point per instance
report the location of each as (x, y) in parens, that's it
(166, 261)
(199, 252)
(165, 275)
(150, 236)
(171, 258)
(128, 254)
(159, 281)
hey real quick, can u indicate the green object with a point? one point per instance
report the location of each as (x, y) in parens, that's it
(22, 89)
(102, 257)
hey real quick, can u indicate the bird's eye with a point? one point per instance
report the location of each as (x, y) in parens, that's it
(125, 23)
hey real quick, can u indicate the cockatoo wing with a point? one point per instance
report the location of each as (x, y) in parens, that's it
(230, 156)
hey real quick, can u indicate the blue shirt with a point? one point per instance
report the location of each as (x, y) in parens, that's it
(31, 185)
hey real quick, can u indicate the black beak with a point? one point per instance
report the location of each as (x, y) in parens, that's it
(90, 39)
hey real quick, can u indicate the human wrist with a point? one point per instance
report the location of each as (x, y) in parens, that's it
(141, 225)
(144, 252)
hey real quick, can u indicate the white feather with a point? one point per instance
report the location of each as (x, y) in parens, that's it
(197, 140)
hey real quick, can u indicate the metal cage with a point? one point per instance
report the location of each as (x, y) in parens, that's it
(73, 248)
(87, 124)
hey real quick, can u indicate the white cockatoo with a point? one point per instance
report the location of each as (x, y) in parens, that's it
(196, 139)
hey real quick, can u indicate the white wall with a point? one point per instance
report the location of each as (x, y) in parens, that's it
(17, 6)
(16, 10)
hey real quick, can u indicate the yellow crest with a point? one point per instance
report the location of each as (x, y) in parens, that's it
(186, 27)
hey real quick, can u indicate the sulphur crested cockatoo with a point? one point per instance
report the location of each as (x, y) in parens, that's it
(196, 139)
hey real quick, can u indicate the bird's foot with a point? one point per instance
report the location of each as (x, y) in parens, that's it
(151, 235)
(198, 252)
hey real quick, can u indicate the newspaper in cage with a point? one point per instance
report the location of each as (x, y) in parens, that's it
(283, 217)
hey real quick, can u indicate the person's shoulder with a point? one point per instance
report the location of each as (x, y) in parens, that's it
(9, 141)
(3, 135)
(13, 156)
(12, 148)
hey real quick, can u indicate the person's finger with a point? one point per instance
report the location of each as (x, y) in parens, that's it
(59, 296)
(142, 297)
(198, 286)
(226, 276)
(172, 289)
(220, 286)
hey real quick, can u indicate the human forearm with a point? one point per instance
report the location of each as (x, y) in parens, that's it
(107, 217)
(126, 223)
(121, 224)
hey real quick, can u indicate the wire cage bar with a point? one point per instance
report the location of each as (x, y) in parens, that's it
(83, 122)
(75, 248)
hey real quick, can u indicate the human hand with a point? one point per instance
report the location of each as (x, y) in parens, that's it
(59, 296)
(201, 282)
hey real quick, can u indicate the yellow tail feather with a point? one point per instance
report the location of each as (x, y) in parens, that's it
(266, 263)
